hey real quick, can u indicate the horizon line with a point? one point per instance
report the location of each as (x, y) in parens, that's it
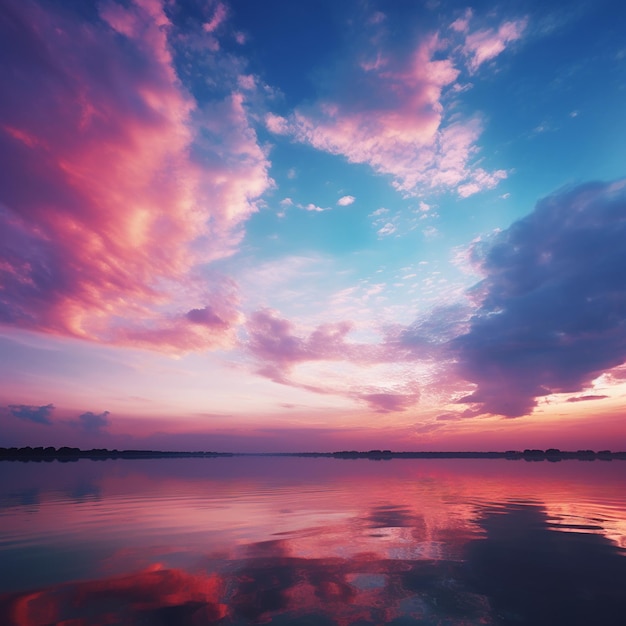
(69, 451)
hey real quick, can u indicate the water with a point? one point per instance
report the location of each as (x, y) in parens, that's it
(286, 541)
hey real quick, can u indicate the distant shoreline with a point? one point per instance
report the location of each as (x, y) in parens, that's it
(67, 454)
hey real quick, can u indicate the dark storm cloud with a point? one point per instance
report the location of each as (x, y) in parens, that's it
(552, 313)
(37, 414)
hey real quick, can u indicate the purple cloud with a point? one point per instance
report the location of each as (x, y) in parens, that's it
(206, 317)
(93, 422)
(382, 402)
(586, 398)
(552, 312)
(37, 414)
(272, 339)
(428, 336)
(274, 343)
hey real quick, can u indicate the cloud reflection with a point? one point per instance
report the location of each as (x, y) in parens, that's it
(522, 571)
(330, 543)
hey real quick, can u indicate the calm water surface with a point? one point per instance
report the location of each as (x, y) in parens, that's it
(286, 541)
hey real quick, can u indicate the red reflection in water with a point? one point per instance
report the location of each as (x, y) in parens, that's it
(277, 540)
(121, 600)
(260, 589)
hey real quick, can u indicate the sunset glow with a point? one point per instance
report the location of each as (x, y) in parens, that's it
(311, 226)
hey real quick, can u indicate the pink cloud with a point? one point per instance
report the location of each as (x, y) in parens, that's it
(219, 17)
(386, 402)
(484, 45)
(272, 339)
(346, 200)
(247, 82)
(207, 316)
(278, 349)
(461, 24)
(276, 124)
(209, 327)
(392, 117)
(118, 185)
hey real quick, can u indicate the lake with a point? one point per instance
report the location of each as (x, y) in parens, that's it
(312, 541)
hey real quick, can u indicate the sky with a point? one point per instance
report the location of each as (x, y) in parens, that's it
(314, 225)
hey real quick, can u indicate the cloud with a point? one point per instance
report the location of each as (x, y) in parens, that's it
(218, 18)
(389, 402)
(551, 310)
(548, 317)
(461, 24)
(119, 185)
(448, 417)
(272, 340)
(387, 229)
(586, 398)
(377, 17)
(346, 200)
(484, 45)
(481, 180)
(392, 116)
(278, 349)
(207, 316)
(93, 422)
(277, 125)
(37, 414)
(429, 336)
(246, 82)
(311, 207)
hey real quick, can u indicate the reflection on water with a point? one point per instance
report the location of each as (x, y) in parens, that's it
(290, 541)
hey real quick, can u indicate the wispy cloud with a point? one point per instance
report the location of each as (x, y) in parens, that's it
(392, 115)
(279, 349)
(217, 19)
(273, 341)
(387, 229)
(312, 207)
(387, 402)
(461, 24)
(587, 398)
(486, 44)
